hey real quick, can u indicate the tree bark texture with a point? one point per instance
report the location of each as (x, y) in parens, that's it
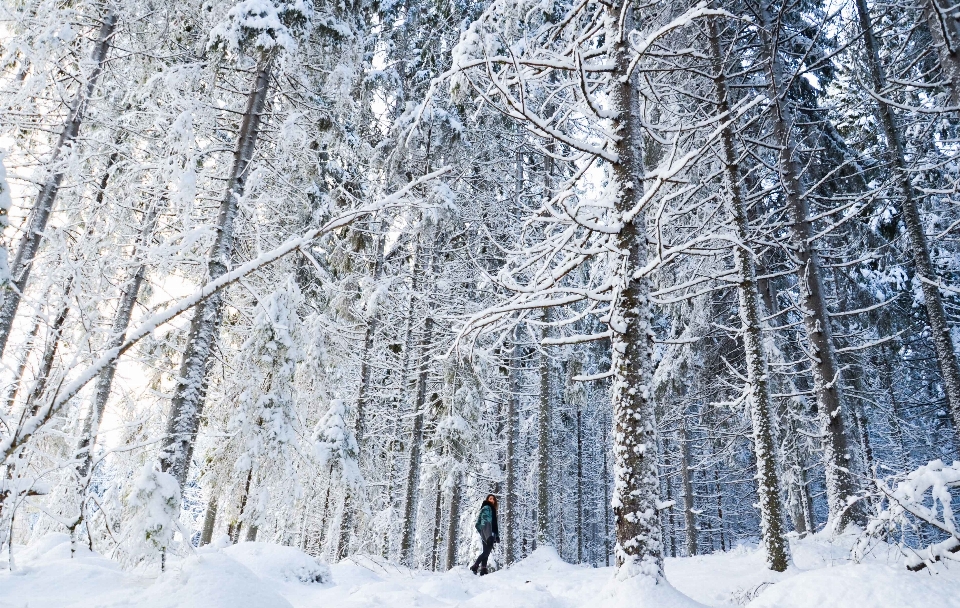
(639, 548)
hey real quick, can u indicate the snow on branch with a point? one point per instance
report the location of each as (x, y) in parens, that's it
(10, 443)
(922, 498)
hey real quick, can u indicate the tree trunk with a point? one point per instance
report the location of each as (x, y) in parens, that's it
(363, 393)
(209, 521)
(437, 528)
(47, 197)
(17, 382)
(579, 407)
(669, 525)
(121, 320)
(512, 498)
(689, 517)
(416, 441)
(544, 517)
(453, 524)
(606, 507)
(893, 417)
(716, 484)
(187, 404)
(919, 247)
(945, 32)
(637, 487)
(235, 526)
(823, 359)
(49, 353)
(768, 484)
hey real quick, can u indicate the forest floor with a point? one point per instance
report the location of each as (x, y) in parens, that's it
(260, 575)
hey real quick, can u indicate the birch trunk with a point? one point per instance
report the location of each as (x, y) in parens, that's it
(823, 359)
(919, 247)
(639, 547)
(47, 197)
(187, 404)
(768, 483)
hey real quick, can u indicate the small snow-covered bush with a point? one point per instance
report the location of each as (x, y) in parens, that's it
(155, 498)
(915, 512)
(267, 560)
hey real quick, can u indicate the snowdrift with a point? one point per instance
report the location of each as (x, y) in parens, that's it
(263, 575)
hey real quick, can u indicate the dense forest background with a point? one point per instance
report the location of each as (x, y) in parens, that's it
(666, 277)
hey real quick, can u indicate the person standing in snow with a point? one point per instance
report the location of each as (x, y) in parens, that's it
(489, 532)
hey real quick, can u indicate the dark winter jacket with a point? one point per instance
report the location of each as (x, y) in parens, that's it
(487, 522)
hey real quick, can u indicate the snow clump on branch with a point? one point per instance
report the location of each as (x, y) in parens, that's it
(264, 25)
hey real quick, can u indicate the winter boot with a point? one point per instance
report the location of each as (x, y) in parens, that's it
(483, 572)
(474, 567)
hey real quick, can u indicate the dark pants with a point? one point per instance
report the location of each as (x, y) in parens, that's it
(487, 548)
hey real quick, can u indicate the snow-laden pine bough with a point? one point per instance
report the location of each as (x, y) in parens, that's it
(910, 509)
(15, 436)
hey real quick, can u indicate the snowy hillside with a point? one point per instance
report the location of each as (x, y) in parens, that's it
(261, 575)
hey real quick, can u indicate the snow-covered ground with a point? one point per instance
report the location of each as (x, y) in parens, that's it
(260, 575)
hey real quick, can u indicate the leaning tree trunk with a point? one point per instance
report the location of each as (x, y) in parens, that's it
(823, 358)
(26, 349)
(768, 484)
(945, 32)
(636, 491)
(187, 404)
(121, 321)
(919, 247)
(49, 353)
(47, 197)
